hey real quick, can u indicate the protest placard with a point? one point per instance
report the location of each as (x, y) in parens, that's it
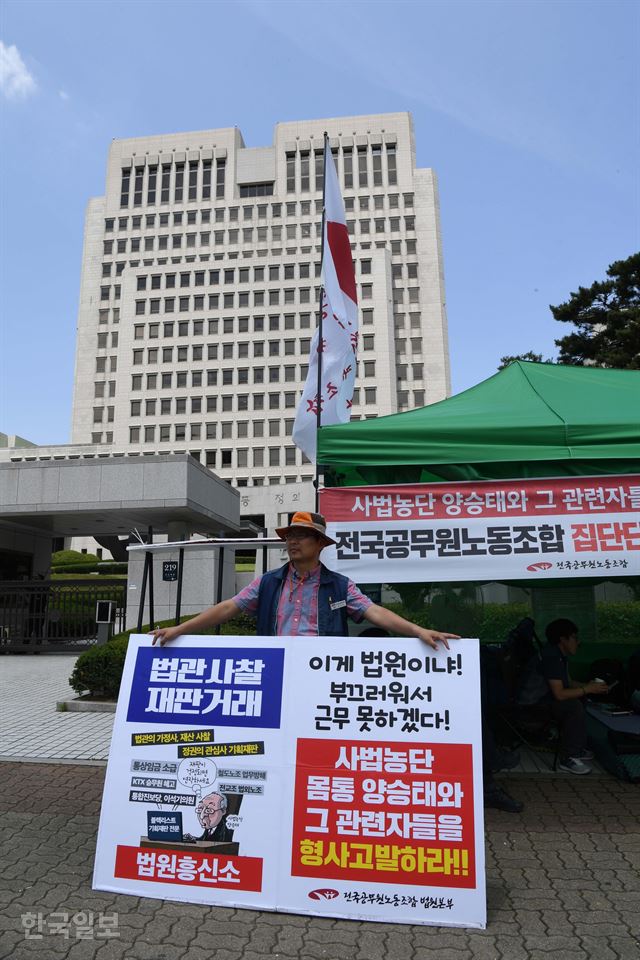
(339, 777)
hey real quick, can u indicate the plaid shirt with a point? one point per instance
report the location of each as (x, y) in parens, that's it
(297, 614)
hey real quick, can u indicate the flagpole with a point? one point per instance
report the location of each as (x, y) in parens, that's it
(316, 482)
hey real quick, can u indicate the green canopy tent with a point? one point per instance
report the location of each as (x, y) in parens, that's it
(528, 420)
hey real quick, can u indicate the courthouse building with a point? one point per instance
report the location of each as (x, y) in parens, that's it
(199, 292)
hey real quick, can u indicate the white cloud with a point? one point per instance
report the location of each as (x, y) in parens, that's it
(16, 82)
(63, 94)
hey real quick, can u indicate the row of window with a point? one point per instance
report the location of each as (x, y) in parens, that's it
(245, 299)
(192, 181)
(257, 274)
(365, 166)
(227, 429)
(242, 402)
(240, 458)
(238, 325)
(263, 211)
(179, 182)
(210, 460)
(197, 351)
(397, 247)
(242, 298)
(274, 234)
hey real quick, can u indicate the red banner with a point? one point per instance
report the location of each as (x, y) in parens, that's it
(191, 869)
(384, 812)
(510, 498)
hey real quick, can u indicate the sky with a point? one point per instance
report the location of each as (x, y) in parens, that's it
(529, 113)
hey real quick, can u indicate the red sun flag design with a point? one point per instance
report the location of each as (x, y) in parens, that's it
(338, 237)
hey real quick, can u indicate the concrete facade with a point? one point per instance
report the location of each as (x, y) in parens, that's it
(199, 291)
(73, 497)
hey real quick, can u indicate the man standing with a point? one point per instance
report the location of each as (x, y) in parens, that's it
(303, 598)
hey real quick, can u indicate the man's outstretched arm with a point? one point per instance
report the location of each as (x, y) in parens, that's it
(212, 617)
(388, 620)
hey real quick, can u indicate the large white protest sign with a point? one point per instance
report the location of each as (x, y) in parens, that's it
(330, 776)
(489, 530)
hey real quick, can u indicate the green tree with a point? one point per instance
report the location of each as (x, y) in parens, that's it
(606, 316)
(529, 355)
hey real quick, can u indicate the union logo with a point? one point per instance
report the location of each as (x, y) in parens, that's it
(324, 893)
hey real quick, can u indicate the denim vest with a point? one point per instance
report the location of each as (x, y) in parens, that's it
(332, 589)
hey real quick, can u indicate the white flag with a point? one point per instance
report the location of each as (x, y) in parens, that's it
(339, 326)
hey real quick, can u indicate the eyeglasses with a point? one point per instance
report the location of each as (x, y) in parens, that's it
(300, 535)
(210, 809)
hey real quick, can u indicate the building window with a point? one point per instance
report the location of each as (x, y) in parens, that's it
(165, 183)
(304, 172)
(206, 181)
(178, 187)
(221, 166)
(291, 172)
(376, 153)
(137, 187)
(257, 190)
(125, 184)
(347, 156)
(392, 170)
(318, 168)
(193, 180)
(362, 167)
(369, 395)
(151, 189)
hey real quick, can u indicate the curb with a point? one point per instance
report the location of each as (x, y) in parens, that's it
(85, 706)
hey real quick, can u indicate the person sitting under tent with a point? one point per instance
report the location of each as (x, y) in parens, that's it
(566, 696)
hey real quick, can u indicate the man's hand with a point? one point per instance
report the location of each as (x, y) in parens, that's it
(596, 687)
(432, 637)
(388, 620)
(164, 635)
(204, 621)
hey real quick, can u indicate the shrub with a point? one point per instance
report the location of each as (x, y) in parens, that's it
(99, 669)
(497, 619)
(618, 621)
(63, 557)
(91, 566)
(107, 568)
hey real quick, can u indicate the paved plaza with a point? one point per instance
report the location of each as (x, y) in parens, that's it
(563, 877)
(30, 727)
